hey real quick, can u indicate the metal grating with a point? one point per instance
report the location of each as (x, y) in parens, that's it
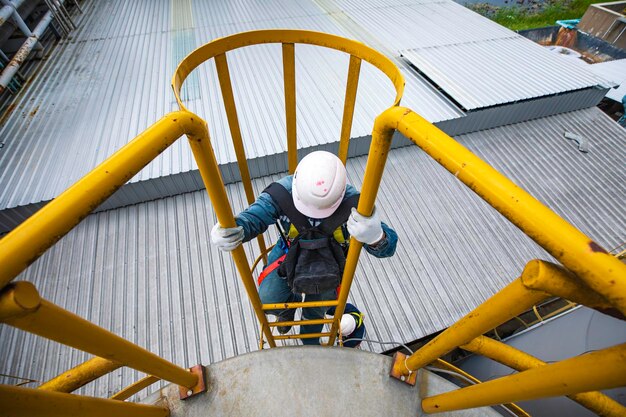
(148, 272)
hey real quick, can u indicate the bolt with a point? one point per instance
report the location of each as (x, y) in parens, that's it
(402, 378)
(189, 393)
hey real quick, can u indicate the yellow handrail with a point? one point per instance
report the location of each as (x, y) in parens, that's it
(595, 277)
(597, 402)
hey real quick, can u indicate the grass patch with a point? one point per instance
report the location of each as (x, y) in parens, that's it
(533, 15)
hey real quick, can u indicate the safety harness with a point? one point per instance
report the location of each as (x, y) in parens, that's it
(315, 259)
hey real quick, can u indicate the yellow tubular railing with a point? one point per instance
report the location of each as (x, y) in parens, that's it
(521, 361)
(215, 187)
(591, 276)
(598, 278)
(18, 401)
(80, 375)
(22, 307)
(223, 75)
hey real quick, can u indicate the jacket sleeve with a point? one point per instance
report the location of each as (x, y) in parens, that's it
(258, 217)
(387, 246)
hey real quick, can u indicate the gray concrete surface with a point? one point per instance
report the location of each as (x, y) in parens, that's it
(308, 381)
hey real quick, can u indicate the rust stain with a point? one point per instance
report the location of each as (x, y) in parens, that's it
(596, 248)
(34, 112)
(407, 111)
(7, 113)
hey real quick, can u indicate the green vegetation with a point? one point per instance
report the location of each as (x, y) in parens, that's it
(533, 14)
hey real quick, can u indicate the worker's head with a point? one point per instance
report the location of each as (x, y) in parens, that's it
(319, 184)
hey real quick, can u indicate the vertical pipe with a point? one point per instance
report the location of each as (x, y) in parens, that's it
(376, 159)
(289, 73)
(212, 178)
(20, 56)
(223, 75)
(352, 86)
(20, 22)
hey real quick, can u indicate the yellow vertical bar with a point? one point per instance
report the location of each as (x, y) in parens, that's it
(352, 86)
(379, 149)
(289, 74)
(223, 74)
(212, 178)
(595, 401)
(603, 369)
(28, 402)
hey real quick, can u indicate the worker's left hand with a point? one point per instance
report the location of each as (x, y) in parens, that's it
(366, 230)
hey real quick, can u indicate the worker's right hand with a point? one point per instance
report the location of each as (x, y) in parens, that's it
(226, 239)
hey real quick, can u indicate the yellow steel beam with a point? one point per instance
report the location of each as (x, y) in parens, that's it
(223, 75)
(34, 236)
(377, 157)
(282, 36)
(301, 336)
(507, 355)
(300, 322)
(511, 301)
(28, 402)
(514, 408)
(352, 85)
(603, 369)
(80, 375)
(556, 280)
(289, 74)
(604, 273)
(212, 178)
(281, 306)
(133, 389)
(50, 321)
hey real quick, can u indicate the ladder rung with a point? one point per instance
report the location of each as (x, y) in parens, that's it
(300, 322)
(282, 306)
(301, 336)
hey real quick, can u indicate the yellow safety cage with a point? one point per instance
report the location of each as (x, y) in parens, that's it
(588, 275)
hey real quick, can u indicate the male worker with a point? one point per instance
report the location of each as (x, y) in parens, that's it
(308, 205)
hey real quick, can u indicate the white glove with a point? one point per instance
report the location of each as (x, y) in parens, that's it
(226, 239)
(366, 230)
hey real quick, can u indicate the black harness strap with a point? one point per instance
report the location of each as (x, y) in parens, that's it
(340, 216)
(283, 198)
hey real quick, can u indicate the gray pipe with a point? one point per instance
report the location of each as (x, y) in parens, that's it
(18, 19)
(20, 56)
(7, 10)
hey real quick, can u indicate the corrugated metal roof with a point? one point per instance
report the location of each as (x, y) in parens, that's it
(148, 272)
(498, 71)
(110, 81)
(409, 25)
(614, 71)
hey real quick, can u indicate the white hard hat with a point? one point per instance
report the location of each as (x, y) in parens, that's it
(319, 184)
(348, 324)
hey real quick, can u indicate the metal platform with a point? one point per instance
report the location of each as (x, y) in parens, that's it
(308, 381)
